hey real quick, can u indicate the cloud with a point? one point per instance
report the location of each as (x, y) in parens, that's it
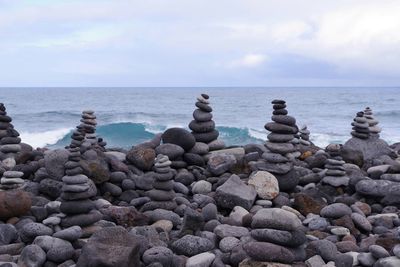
(267, 42)
(248, 61)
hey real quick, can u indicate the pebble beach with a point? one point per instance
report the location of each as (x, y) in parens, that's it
(186, 197)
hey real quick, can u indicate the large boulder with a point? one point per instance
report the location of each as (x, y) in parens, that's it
(54, 161)
(141, 157)
(111, 246)
(171, 150)
(370, 148)
(234, 192)
(180, 137)
(14, 203)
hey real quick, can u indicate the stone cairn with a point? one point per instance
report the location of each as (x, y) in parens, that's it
(162, 195)
(77, 189)
(304, 136)
(335, 174)
(282, 128)
(88, 126)
(374, 129)
(203, 127)
(9, 137)
(9, 146)
(360, 126)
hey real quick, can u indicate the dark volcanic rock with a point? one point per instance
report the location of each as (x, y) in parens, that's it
(109, 247)
(180, 137)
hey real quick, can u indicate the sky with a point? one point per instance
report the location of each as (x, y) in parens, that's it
(199, 43)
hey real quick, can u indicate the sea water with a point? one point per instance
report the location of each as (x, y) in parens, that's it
(128, 116)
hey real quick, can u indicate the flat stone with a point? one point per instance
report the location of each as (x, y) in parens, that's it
(190, 245)
(256, 251)
(226, 230)
(276, 218)
(201, 260)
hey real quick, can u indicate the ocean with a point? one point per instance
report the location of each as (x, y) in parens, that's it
(128, 116)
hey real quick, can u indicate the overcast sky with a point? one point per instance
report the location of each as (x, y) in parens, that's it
(199, 43)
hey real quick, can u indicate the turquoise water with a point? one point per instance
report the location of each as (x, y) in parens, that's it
(127, 116)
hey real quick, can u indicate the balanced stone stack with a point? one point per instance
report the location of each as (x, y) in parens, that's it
(279, 237)
(162, 195)
(360, 126)
(12, 180)
(88, 125)
(305, 136)
(374, 129)
(203, 127)
(9, 137)
(278, 159)
(77, 189)
(335, 174)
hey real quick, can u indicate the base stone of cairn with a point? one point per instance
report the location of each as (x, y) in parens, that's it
(278, 160)
(203, 127)
(9, 137)
(162, 195)
(77, 189)
(366, 141)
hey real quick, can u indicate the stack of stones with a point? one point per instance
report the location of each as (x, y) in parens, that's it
(11, 180)
(335, 174)
(162, 195)
(88, 126)
(305, 136)
(203, 127)
(360, 126)
(77, 189)
(279, 236)
(278, 159)
(374, 129)
(9, 137)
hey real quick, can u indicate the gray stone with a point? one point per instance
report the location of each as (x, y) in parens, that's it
(111, 246)
(219, 163)
(201, 260)
(256, 251)
(378, 252)
(388, 262)
(54, 161)
(171, 150)
(361, 222)
(8, 234)
(276, 218)
(202, 187)
(335, 210)
(71, 234)
(370, 148)
(57, 250)
(228, 243)
(159, 254)
(190, 245)
(226, 230)
(31, 230)
(280, 237)
(32, 256)
(234, 192)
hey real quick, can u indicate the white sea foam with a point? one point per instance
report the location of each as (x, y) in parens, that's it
(257, 134)
(42, 139)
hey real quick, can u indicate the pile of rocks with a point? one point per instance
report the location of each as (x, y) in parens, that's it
(360, 126)
(278, 158)
(203, 127)
(12, 180)
(305, 136)
(374, 129)
(335, 174)
(77, 189)
(279, 233)
(162, 195)
(9, 137)
(88, 127)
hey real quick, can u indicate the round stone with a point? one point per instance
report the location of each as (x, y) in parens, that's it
(202, 116)
(201, 127)
(180, 137)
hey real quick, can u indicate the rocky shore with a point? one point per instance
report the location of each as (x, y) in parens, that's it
(185, 199)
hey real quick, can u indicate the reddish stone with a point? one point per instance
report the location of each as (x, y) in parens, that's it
(14, 203)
